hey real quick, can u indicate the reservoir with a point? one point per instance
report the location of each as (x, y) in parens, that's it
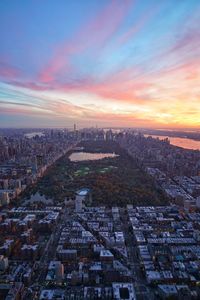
(34, 134)
(81, 156)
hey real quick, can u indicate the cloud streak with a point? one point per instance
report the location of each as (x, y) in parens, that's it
(95, 33)
(121, 64)
(8, 72)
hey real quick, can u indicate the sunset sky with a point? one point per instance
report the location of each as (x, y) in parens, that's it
(132, 63)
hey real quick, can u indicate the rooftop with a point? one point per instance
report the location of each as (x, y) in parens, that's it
(83, 192)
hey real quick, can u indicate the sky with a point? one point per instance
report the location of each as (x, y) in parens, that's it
(106, 63)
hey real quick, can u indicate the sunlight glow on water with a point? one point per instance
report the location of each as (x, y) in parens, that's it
(180, 142)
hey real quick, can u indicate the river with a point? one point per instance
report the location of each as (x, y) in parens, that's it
(180, 142)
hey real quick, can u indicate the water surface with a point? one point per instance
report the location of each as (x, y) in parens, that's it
(81, 156)
(180, 142)
(33, 134)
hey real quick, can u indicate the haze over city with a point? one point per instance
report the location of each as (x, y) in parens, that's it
(112, 63)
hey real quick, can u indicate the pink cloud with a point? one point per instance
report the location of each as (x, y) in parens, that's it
(184, 68)
(95, 33)
(36, 86)
(128, 35)
(188, 42)
(123, 85)
(8, 72)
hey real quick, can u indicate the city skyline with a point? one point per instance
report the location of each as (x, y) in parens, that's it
(111, 63)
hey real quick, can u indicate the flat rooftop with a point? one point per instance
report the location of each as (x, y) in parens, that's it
(83, 192)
